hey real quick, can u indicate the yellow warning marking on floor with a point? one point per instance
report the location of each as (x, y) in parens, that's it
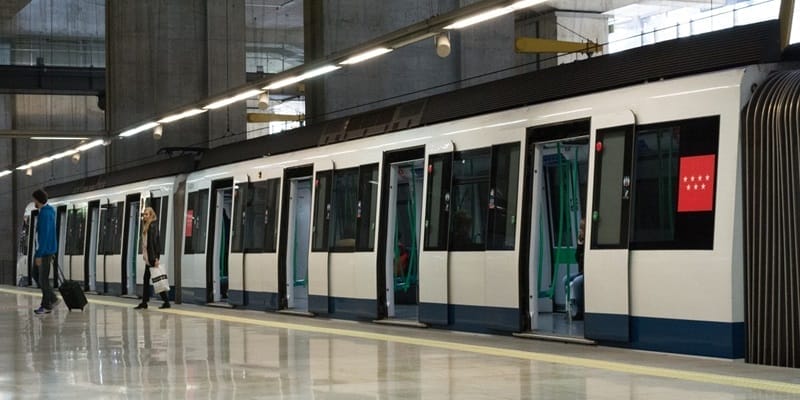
(702, 377)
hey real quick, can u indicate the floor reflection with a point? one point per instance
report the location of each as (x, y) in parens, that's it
(116, 352)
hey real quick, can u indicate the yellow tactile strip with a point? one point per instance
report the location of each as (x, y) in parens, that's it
(734, 381)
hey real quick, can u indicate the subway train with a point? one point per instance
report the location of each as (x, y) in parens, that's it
(471, 223)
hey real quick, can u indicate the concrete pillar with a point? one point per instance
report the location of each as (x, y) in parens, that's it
(166, 54)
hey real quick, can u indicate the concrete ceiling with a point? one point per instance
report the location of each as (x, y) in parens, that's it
(274, 14)
(10, 8)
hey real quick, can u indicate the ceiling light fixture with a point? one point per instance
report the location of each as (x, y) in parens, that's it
(230, 100)
(491, 14)
(366, 55)
(58, 138)
(442, 41)
(308, 75)
(87, 146)
(4, 173)
(185, 114)
(138, 129)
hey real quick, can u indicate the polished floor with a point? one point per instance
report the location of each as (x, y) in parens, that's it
(111, 351)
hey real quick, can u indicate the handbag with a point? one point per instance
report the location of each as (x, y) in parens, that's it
(159, 278)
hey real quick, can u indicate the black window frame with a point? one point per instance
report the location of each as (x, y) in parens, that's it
(496, 234)
(366, 216)
(320, 241)
(76, 232)
(111, 222)
(443, 227)
(195, 202)
(264, 212)
(693, 230)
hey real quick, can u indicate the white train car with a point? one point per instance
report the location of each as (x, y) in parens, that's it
(474, 222)
(99, 230)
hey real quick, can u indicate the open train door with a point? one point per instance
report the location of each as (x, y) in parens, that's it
(607, 259)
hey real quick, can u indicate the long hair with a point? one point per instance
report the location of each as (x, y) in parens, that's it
(150, 217)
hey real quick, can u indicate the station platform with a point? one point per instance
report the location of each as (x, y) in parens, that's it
(113, 351)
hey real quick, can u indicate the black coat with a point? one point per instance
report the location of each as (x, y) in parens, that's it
(153, 244)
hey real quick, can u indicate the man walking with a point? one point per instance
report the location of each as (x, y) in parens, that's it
(46, 248)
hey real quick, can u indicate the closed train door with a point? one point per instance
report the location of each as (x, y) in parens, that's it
(295, 239)
(400, 231)
(607, 254)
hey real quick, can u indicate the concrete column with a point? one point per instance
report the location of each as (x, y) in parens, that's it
(166, 54)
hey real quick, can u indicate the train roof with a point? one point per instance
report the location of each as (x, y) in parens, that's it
(738, 46)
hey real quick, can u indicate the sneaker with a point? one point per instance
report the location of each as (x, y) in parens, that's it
(141, 306)
(165, 305)
(42, 310)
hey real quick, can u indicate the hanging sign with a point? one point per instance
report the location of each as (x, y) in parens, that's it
(696, 190)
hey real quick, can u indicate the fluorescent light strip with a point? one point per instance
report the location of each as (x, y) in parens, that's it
(230, 100)
(185, 114)
(58, 138)
(90, 145)
(139, 129)
(4, 173)
(308, 75)
(366, 55)
(491, 14)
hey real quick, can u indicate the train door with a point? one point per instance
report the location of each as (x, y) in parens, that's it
(131, 251)
(557, 176)
(607, 258)
(91, 249)
(295, 238)
(217, 262)
(61, 228)
(400, 231)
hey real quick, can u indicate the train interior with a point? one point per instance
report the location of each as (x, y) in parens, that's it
(133, 251)
(403, 239)
(558, 209)
(299, 236)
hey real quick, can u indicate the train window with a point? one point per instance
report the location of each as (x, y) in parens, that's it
(111, 217)
(674, 184)
(611, 199)
(76, 231)
(503, 197)
(240, 200)
(437, 209)
(322, 211)
(471, 179)
(196, 221)
(344, 209)
(158, 204)
(255, 227)
(366, 208)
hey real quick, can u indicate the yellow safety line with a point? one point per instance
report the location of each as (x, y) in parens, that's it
(735, 381)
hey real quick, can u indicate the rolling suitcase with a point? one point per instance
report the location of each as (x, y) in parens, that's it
(72, 293)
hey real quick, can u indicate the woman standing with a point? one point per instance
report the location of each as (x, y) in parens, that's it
(151, 251)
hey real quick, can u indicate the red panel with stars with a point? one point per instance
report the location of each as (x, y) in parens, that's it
(696, 191)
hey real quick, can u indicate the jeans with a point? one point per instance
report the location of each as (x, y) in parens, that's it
(148, 287)
(48, 296)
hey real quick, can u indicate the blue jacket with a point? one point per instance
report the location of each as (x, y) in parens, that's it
(46, 232)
